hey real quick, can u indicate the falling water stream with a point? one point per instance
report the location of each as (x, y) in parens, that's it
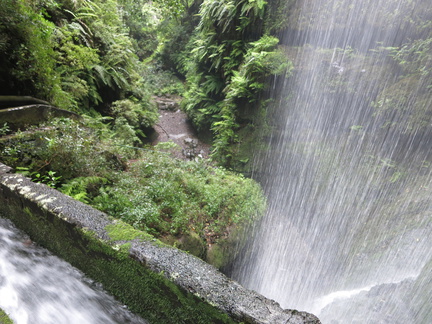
(348, 175)
(39, 288)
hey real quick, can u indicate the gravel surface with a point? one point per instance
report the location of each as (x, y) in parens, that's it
(174, 126)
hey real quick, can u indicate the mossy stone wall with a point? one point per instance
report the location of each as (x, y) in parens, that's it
(146, 293)
(158, 282)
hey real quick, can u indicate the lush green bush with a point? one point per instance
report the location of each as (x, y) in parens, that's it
(27, 57)
(167, 196)
(75, 54)
(69, 148)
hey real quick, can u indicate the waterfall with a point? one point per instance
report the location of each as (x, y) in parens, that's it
(348, 175)
(36, 287)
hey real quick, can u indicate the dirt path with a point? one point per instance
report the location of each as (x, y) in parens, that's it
(174, 126)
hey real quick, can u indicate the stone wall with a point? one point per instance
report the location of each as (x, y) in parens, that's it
(158, 282)
(22, 117)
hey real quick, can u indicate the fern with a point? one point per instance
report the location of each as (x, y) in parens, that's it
(78, 188)
(213, 84)
(103, 75)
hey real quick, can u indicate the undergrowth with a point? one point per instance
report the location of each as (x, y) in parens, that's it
(101, 165)
(162, 195)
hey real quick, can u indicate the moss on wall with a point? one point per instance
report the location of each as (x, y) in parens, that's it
(146, 293)
(120, 231)
(158, 282)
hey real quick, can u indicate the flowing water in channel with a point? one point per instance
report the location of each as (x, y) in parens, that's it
(39, 288)
(348, 177)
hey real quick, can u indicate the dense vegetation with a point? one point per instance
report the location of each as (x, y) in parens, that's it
(102, 56)
(104, 60)
(231, 60)
(191, 204)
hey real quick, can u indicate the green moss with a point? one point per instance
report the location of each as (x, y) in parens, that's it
(120, 231)
(146, 293)
(4, 318)
(193, 244)
(216, 256)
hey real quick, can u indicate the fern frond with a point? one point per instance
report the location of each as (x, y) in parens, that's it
(77, 188)
(103, 75)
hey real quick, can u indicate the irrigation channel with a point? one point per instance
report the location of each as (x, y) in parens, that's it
(37, 287)
(348, 233)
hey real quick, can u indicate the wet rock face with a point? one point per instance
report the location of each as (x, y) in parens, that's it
(384, 304)
(195, 278)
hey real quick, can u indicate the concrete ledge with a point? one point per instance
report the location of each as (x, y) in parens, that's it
(15, 101)
(161, 283)
(22, 117)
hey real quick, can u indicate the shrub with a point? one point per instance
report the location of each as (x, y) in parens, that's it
(167, 196)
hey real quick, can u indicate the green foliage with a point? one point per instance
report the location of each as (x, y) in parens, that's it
(162, 82)
(49, 178)
(157, 194)
(4, 318)
(69, 148)
(280, 14)
(4, 129)
(260, 60)
(136, 113)
(161, 195)
(167, 147)
(83, 188)
(229, 69)
(143, 20)
(27, 58)
(76, 62)
(174, 8)
(84, 55)
(224, 134)
(176, 50)
(75, 54)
